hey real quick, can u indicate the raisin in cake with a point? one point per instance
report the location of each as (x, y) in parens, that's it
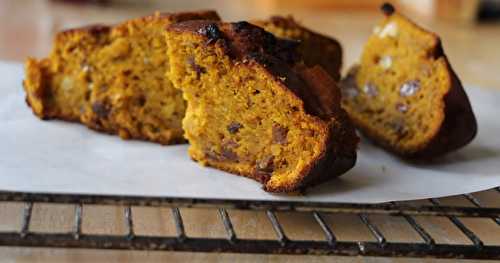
(316, 49)
(112, 79)
(404, 95)
(253, 110)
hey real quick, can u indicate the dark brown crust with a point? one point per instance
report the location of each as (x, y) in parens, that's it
(329, 99)
(331, 50)
(254, 47)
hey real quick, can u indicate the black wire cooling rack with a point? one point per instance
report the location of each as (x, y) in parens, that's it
(330, 245)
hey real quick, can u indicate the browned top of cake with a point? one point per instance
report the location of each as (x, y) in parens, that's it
(245, 42)
(315, 48)
(97, 29)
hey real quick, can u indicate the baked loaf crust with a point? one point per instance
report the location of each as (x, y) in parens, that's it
(404, 95)
(112, 79)
(254, 109)
(315, 48)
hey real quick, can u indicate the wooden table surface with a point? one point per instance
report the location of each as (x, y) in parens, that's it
(26, 29)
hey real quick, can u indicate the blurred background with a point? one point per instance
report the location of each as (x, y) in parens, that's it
(470, 29)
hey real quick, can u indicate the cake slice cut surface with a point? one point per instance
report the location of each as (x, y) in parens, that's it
(404, 94)
(112, 79)
(253, 110)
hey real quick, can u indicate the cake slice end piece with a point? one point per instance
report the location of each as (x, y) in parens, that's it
(404, 95)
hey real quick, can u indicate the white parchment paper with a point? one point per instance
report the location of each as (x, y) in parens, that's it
(60, 157)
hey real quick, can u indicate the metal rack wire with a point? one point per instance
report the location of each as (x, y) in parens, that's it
(426, 247)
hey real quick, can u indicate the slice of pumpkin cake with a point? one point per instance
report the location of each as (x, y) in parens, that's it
(112, 79)
(404, 95)
(253, 109)
(315, 48)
